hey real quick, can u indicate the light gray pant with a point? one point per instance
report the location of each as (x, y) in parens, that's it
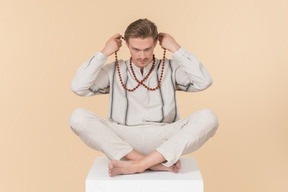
(171, 140)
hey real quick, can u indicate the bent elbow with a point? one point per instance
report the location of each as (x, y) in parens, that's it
(209, 83)
(79, 91)
(75, 90)
(206, 84)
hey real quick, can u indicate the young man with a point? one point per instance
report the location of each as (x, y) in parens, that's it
(143, 129)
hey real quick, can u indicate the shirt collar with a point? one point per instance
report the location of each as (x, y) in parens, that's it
(145, 69)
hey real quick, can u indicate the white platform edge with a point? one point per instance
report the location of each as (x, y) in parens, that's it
(188, 179)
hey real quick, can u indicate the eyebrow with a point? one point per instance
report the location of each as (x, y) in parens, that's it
(144, 49)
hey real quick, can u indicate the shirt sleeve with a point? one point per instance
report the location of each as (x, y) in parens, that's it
(190, 74)
(91, 78)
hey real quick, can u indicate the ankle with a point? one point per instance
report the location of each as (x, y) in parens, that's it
(140, 166)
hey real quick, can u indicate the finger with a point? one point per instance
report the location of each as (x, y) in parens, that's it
(118, 40)
(117, 36)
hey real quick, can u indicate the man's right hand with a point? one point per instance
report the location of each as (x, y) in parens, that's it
(112, 45)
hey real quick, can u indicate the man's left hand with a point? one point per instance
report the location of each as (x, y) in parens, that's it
(166, 41)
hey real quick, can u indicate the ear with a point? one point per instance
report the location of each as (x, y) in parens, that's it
(127, 44)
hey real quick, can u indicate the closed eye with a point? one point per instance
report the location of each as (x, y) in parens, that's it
(135, 49)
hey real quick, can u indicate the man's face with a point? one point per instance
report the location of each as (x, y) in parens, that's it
(141, 50)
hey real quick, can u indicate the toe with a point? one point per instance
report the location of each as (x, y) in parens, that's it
(111, 165)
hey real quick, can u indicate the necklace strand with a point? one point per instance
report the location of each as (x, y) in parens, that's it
(141, 82)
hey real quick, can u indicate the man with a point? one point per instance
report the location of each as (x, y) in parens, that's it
(143, 130)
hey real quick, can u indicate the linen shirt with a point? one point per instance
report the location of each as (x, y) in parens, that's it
(141, 107)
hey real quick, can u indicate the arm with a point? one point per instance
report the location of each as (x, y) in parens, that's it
(92, 77)
(190, 74)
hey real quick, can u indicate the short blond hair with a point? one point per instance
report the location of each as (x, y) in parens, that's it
(141, 28)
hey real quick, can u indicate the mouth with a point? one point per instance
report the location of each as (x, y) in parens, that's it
(142, 61)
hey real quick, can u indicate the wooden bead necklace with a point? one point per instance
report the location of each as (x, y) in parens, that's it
(141, 82)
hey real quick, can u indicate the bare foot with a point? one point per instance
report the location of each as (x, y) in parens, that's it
(129, 167)
(124, 167)
(174, 168)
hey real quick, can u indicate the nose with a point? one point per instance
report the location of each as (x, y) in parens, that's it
(142, 55)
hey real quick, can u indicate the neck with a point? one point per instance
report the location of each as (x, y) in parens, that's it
(141, 68)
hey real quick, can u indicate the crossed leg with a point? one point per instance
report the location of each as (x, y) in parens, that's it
(189, 134)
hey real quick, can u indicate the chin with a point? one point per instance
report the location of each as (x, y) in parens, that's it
(142, 64)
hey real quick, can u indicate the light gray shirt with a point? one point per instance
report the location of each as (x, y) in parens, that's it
(183, 73)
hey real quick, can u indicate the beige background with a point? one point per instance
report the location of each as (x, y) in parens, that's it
(243, 44)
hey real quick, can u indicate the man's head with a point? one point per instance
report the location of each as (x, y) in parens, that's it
(141, 38)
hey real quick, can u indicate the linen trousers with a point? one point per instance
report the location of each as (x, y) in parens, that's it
(172, 140)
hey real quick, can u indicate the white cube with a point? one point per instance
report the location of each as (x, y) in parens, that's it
(189, 179)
